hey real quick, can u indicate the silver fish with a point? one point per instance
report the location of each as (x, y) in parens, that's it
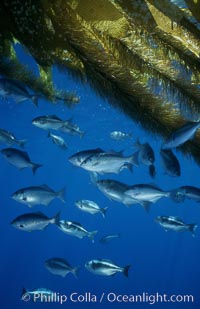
(106, 267)
(72, 128)
(49, 122)
(8, 138)
(190, 192)
(90, 207)
(170, 163)
(61, 267)
(75, 229)
(58, 140)
(145, 194)
(34, 221)
(182, 135)
(146, 156)
(17, 91)
(115, 191)
(19, 159)
(175, 224)
(36, 195)
(120, 136)
(28, 295)
(109, 162)
(78, 158)
(108, 238)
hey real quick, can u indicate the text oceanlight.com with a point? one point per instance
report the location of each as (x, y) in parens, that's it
(110, 297)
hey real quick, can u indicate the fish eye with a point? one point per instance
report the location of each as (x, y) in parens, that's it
(21, 226)
(24, 198)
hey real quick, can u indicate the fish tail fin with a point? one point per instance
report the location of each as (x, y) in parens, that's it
(126, 270)
(22, 142)
(61, 195)
(177, 195)
(192, 228)
(152, 170)
(35, 167)
(92, 234)
(34, 98)
(134, 158)
(75, 271)
(56, 219)
(103, 211)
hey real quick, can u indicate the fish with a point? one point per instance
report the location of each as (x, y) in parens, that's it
(8, 138)
(71, 128)
(146, 156)
(106, 267)
(19, 159)
(181, 135)
(48, 122)
(170, 163)
(190, 192)
(34, 221)
(175, 224)
(90, 207)
(28, 295)
(120, 136)
(146, 194)
(37, 195)
(109, 162)
(16, 90)
(115, 190)
(61, 267)
(75, 229)
(78, 158)
(108, 238)
(58, 140)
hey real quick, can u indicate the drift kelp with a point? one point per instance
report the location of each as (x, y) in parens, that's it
(129, 51)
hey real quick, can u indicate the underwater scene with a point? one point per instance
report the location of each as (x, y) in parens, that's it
(100, 153)
(93, 205)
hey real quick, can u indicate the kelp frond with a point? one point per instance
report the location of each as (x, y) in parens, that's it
(144, 56)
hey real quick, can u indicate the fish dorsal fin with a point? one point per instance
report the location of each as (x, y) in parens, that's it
(98, 150)
(119, 153)
(152, 184)
(46, 187)
(61, 260)
(40, 213)
(54, 117)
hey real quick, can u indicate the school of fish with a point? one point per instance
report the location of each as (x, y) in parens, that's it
(97, 162)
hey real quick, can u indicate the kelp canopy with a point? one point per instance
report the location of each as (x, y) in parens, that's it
(143, 55)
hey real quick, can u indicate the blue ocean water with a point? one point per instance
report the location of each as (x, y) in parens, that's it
(161, 262)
